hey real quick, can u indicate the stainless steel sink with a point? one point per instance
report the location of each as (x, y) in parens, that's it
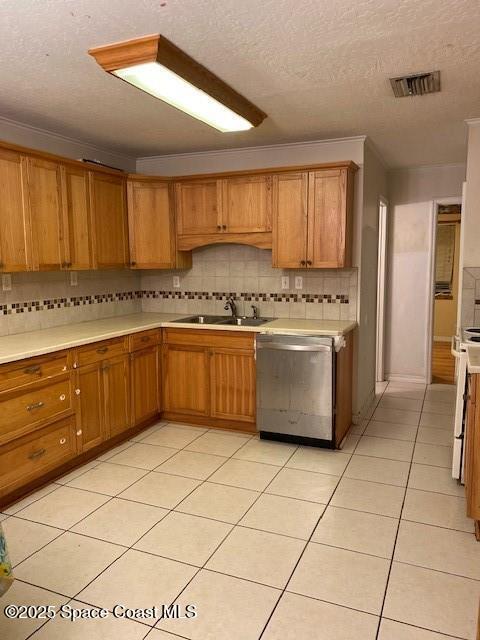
(241, 321)
(246, 322)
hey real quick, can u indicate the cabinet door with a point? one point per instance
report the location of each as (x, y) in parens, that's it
(145, 384)
(232, 376)
(198, 207)
(117, 395)
(45, 200)
(109, 213)
(472, 453)
(78, 253)
(328, 219)
(90, 407)
(290, 192)
(186, 380)
(247, 204)
(151, 226)
(14, 220)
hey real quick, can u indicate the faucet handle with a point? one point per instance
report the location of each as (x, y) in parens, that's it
(255, 311)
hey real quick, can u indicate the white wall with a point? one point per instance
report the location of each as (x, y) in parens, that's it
(471, 248)
(411, 221)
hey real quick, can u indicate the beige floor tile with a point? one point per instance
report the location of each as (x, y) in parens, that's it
(433, 454)
(3, 516)
(245, 474)
(371, 497)
(358, 429)
(437, 548)
(109, 479)
(265, 451)
(260, 556)
(192, 464)
(138, 580)
(300, 618)
(437, 509)
(109, 628)
(146, 432)
(227, 607)
(357, 531)
(158, 634)
(391, 430)
(172, 437)
(349, 443)
(79, 471)
(342, 577)
(219, 502)
(435, 479)
(405, 404)
(113, 452)
(63, 508)
(304, 485)
(22, 593)
(319, 460)
(436, 421)
(30, 499)
(443, 408)
(25, 537)
(433, 600)
(386, 414)
(68, 563)
(391, 630)
(385, 448)
(413, 391)
(444, 394)
(218, 444)
(143, 456)
(185, 538)
(428, 435)
(120, 521)
(286, 516)
(160, 490)
(380, 470)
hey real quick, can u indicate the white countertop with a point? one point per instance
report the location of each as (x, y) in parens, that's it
(35, 343)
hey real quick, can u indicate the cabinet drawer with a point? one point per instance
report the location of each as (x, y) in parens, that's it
(100, 351)
(24, 411)
(18, 374)
(144, 339)
(210, 338)
(29, 457)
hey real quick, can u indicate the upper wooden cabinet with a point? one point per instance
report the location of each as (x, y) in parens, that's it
(46, 214)
(109, 215)
(247, 204)
(197, 207)
(77, 223)
(15, 241)
(151, 226)
(313, 218)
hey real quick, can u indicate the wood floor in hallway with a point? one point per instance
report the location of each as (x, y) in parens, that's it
(443, 364)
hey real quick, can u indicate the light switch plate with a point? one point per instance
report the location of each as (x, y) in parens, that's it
(285, 282)
(298, 282)
(73, 278)
(176, 282)
(6, 281)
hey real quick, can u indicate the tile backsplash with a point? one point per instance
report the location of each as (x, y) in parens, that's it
(471, 297)
(246, 273)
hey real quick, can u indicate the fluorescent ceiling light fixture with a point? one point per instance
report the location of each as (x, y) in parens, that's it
(158, 67)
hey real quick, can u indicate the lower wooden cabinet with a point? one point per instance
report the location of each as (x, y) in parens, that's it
(145, 391)
(472, 452)
(232, 384)
(186, 388)
(116, 378)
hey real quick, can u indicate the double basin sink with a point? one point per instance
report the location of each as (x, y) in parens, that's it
(238, 321)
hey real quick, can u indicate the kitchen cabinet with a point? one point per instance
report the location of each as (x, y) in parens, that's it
(197, 206)
(46, 215)
(116, 377)
(313, 218)
(232, 384)
(151, 224)
(186, 380)
(15, 239)
(145, 384)
(472, 452)
(77, 223)
(109, 216)
(247, 204)
(90, 405)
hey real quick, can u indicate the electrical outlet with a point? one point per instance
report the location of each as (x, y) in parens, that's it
(6, 281)
(298, 282)
(285, 282)
(176, 282)
(73, 278)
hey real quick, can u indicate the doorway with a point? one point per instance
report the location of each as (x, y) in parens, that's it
(381, 280)
(448, 216)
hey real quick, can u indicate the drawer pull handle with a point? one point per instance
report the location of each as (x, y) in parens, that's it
(37, 454)
(62, 397)
(102, 350)
(35, 405)
(63, 440)
(33, 369)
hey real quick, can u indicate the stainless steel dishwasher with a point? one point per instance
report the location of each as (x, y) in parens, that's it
(295, 388)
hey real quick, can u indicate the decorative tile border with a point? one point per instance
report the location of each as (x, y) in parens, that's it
(101, 298)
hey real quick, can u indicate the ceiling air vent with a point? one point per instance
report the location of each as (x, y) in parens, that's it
(416, 85)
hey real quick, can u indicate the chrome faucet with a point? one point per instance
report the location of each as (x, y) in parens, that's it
(230, 305)
(255, 312)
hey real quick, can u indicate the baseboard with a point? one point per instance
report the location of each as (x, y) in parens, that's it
(393, 377)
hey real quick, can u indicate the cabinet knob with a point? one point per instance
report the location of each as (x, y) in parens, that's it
(303, 263)
(309, 263)
(77, 392)
(79, 432)
(219, 227)
(133, 263)
(63, 440)
(224, 227)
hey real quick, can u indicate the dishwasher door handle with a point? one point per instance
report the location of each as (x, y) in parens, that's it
(294, 347)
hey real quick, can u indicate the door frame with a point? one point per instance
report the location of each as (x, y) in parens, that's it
(431, 277)
(381, 288)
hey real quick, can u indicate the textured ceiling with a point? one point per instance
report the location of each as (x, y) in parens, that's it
(318, 68)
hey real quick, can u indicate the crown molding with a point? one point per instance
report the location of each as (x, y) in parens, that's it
(472, 122)
(420, 167)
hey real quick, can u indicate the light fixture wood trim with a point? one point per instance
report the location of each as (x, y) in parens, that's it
(157, 48)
